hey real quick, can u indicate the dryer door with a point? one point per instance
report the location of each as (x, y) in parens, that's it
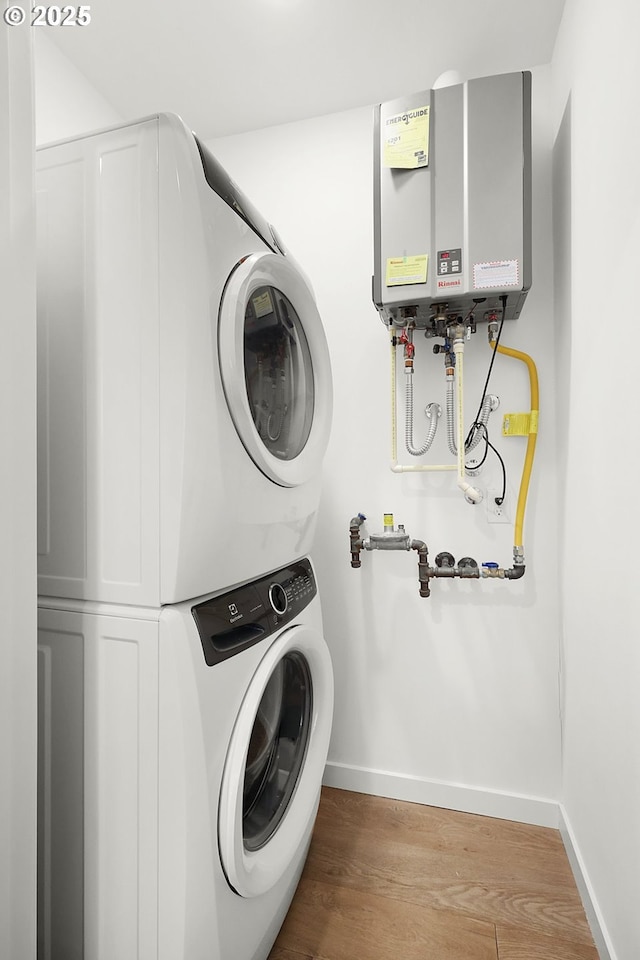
(275, 368)
(273, 770)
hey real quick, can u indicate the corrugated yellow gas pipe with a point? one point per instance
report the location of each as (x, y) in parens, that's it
(531, 442)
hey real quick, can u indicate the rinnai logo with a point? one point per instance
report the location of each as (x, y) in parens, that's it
(449, 283)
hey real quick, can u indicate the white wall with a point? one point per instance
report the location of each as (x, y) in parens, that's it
(451, 700)
(66, 103)
(596, 81)
(17, 501)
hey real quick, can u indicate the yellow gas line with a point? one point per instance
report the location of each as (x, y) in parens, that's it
(532, 437)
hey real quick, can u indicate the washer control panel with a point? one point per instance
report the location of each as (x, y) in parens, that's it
(232, 621)
(300, 589)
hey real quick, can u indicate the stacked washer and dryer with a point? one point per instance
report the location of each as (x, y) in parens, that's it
(185, 688)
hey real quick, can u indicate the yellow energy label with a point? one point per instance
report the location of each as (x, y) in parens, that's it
(405, 270)
(406, 139)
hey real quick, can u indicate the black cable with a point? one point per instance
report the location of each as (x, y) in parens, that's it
(474, 426)
(489, 445)
(481, 463)
(477, 425)
(504, 474)
(486, 448)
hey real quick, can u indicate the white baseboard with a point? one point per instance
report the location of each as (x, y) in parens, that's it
(585, 889)
(452, 796)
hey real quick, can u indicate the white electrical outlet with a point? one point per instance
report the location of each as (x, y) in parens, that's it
(497, 512)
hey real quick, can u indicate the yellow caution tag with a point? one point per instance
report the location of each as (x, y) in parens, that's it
(405, 270)
(517, 424)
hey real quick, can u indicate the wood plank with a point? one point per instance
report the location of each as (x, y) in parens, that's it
(336, 923)
(281, 953)
(478, 867)
(539, 850)
(525, 944)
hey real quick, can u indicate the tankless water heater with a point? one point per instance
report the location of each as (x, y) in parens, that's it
(452, 186)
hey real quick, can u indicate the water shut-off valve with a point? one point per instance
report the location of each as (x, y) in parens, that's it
(393, 538)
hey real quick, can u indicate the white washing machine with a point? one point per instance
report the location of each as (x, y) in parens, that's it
(180, 759)
(184, 381)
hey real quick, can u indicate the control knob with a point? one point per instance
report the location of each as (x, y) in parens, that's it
(278, 598)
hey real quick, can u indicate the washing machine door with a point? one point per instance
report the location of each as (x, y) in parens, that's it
(276, 758)
(275, 368)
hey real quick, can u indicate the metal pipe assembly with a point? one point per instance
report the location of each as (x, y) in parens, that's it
(393, 538)
(454, 329)
(454, 335)
(433, 411)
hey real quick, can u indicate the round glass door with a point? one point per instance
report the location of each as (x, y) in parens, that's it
(276, 749)
(275, 762)
(278, 373)
(275, 368)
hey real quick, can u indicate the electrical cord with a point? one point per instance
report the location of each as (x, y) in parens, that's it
(489, 445)
(476, 424)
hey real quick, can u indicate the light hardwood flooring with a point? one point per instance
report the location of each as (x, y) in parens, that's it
(388, 880)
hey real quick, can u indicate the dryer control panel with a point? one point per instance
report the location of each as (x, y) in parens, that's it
(235, 620)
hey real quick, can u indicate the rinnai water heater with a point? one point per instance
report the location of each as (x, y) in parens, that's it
(452, 188)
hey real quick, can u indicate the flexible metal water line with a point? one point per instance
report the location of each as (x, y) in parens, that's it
(394, 465)
(489, 404)
(433, 411)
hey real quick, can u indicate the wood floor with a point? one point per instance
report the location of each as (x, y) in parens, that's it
(387, 880)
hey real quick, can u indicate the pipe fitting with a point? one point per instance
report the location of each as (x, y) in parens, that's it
(471, 493)
(390, 540)
(423, 567)
(518, 568)
(468, 568)
(445, 559)
(356, 543)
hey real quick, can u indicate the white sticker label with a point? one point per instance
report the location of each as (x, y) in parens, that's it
(498, 273)
(262, 304)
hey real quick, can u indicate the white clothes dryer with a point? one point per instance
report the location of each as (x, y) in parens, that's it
(181, 753)
(184, 380)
